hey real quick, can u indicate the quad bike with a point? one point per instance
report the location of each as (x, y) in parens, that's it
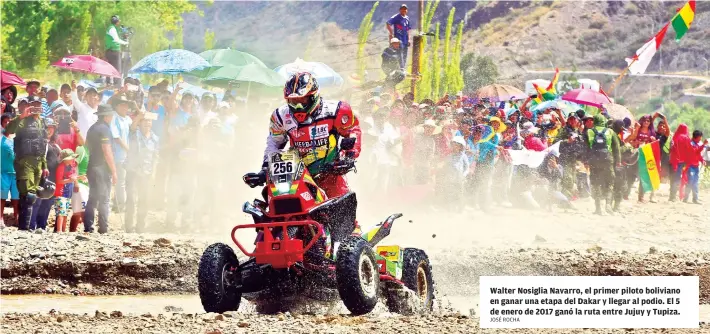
(307, 245)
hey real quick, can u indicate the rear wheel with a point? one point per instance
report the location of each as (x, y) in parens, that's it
(417, 277)
(219, 279)
(357, 275)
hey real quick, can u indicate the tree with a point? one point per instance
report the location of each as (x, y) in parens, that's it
(177, 38)
(478, 71)
(44, 27)
(52, 29)
(447, 53)
(455, 77)
(425, 84)
(209, 39)
(436, 65)
(363, 34)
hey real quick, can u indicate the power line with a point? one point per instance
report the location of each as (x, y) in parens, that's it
(372, 42)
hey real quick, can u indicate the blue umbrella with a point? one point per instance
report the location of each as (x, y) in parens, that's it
(325, 75)
(171, 61)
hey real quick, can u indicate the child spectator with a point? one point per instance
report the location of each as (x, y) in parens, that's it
(66, 181)
(9, 181)
(81, 189)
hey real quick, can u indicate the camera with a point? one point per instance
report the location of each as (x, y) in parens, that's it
(127, 32)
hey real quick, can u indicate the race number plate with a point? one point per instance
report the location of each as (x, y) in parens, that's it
(282, 168)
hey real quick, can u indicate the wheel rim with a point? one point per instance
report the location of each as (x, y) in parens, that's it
(422, 282)
(367, 275)
(227, 278)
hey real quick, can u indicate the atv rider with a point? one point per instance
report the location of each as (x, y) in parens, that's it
(313, 126)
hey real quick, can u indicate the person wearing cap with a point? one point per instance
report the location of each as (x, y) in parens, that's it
(101, 171)
(67, 179)
(603, 155)
(30, 145)
(120, 129)
(85, 112)
(398, 27)
(530, 140)
(392, 63)
(113, 48)
(9, 178)
(43, 207)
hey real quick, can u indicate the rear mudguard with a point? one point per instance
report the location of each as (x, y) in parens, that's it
(380, 231)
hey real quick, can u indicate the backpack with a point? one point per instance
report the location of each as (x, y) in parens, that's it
(600, 147)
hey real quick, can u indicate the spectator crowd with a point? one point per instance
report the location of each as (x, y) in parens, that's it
(135, 152)
(471, 150)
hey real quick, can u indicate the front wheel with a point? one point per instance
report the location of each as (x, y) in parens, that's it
(219, 279)
(357, 275)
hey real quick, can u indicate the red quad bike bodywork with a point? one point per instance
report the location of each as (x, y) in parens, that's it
(306, 245)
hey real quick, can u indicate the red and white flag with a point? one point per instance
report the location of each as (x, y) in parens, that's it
(640, 61)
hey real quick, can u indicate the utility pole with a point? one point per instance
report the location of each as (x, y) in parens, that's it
(417, 49)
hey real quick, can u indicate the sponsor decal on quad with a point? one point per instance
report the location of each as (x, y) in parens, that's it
(319, 131)
(307, 196)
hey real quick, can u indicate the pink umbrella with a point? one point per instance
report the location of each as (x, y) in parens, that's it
(586, 97)
(8, 79)
(88, 64)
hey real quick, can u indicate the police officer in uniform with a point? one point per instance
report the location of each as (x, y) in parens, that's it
(30, 152)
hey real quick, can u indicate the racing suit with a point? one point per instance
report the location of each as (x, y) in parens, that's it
(316, 140)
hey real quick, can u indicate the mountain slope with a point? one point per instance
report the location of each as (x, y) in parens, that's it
(518, 35)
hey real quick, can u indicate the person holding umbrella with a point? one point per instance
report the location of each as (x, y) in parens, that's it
(30, 158)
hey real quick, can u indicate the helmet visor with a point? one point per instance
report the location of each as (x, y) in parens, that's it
(299, 103)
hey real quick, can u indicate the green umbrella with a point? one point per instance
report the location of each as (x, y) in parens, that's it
(247, 74)
(251, 73)
(223, 57)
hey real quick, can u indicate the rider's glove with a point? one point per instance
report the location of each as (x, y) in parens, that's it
(349, 154)
(255, 179)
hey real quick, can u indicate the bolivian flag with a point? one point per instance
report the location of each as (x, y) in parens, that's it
(650, 166)
(681, 22)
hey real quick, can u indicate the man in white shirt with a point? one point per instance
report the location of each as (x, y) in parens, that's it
(120, 129)
(85, 112)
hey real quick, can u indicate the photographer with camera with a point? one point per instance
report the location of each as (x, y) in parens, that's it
(30, 155)
(113, 48)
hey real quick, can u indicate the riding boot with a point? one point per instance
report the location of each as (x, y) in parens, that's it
(597, 206)
(26, 203)
(74, 223)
